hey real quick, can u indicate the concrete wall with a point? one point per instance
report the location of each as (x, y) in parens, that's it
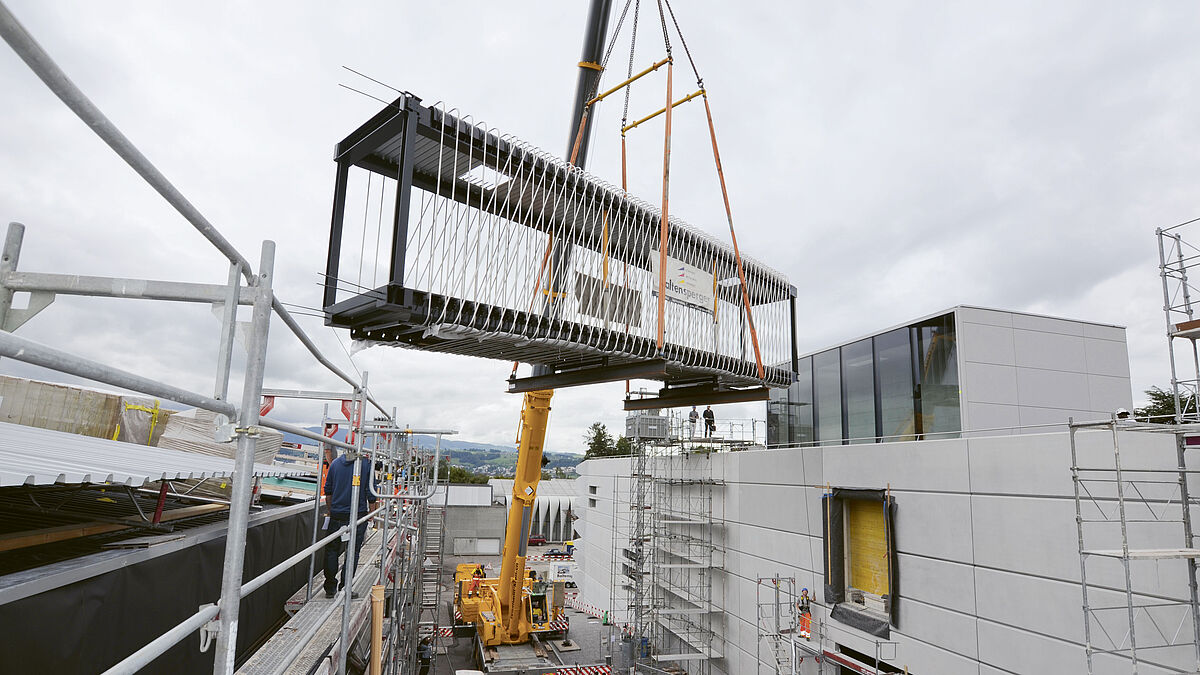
(473, 522)
(1020, 369)
(986, 540)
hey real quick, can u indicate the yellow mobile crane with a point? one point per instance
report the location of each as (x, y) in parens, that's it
(505, 610)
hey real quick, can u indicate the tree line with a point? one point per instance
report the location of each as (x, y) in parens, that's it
(600, 443)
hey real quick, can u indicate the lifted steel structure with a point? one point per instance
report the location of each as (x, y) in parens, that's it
(480, 224)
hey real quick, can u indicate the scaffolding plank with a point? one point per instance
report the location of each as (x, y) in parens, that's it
(267, 658)
(1147, 554)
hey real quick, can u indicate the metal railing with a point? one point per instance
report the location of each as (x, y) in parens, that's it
(242, 421)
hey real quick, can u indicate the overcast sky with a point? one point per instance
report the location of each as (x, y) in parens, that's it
(892, 158)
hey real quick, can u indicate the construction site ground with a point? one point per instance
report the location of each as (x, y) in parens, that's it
(455, 654)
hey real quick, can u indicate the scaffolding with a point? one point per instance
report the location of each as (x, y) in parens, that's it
(1129, 508)
(405, 512)
(630, 572)
(687, 556)
(416, 574)
(1176, 260)
(778, 624)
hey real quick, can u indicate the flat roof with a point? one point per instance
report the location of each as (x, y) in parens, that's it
(33, 456)
(552, 487)
(943, 312)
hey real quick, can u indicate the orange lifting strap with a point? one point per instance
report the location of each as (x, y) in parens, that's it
(666, 190)
(662, 230)
(737, 256)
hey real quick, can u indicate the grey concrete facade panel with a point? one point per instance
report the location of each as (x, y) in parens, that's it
(1107, 357)
(989, 383)
(1050, 351)
(916, 465)
(986, 343)
(1047, 324)
(1053, 389)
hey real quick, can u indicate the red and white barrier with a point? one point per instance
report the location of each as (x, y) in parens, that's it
(585, 670)
(591, 610)
(549, 558)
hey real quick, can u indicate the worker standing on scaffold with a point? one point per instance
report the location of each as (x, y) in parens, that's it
(802, 606)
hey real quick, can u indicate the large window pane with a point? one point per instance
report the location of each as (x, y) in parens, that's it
(858, 381)
(938, 372)
(800, 404)
(894, 374)
(777, 417)
(778, 432)
(827, 381)
(790, 411)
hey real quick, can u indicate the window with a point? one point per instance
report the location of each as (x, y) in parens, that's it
(790, 411)
(859, 544)
(866, 553)
(894, 382)
(937, 376)
(592, 489)
(591, 503)
(897, 386)
(858, 383)
(827, 384)
(800, 404)
(778, 430)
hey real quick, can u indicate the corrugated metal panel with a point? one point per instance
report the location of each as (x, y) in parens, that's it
(866, 525)
(31, 456)
(555, 487)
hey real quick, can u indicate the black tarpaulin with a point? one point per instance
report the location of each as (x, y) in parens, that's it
(90, 625)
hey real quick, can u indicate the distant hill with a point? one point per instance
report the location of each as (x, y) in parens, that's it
(504, 462)
(476, 456)
(451, 443)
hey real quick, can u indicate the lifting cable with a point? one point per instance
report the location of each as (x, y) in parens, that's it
(721, 177)
(670, 104)
(574, 155)
(624, 158)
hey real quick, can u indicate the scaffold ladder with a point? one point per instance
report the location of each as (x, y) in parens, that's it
(778, 624)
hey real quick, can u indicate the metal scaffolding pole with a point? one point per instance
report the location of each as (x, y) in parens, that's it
(351, 560)
(9, 256)
(317, 495)
(48, 71)
(239, 510)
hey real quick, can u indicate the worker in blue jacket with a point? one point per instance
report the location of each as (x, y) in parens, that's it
(339, 486)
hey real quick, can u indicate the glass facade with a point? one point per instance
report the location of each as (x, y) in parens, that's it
(936, 348)
(827, 385)
(896, 386)
(790, 411)
(858, 388)
(894, 381)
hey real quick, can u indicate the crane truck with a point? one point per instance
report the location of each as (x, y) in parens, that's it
(511, 611)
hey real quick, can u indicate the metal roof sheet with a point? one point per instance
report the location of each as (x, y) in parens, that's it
(32, 456)
(553, 487)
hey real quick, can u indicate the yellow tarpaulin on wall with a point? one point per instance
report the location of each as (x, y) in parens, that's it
(867, 535)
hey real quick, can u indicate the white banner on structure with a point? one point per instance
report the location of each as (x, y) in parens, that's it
(686, 284)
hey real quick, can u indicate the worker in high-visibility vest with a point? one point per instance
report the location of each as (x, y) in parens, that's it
(805, 611)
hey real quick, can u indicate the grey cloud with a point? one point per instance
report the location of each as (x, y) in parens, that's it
(892, 158)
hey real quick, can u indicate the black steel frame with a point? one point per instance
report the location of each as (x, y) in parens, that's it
(385, 145)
